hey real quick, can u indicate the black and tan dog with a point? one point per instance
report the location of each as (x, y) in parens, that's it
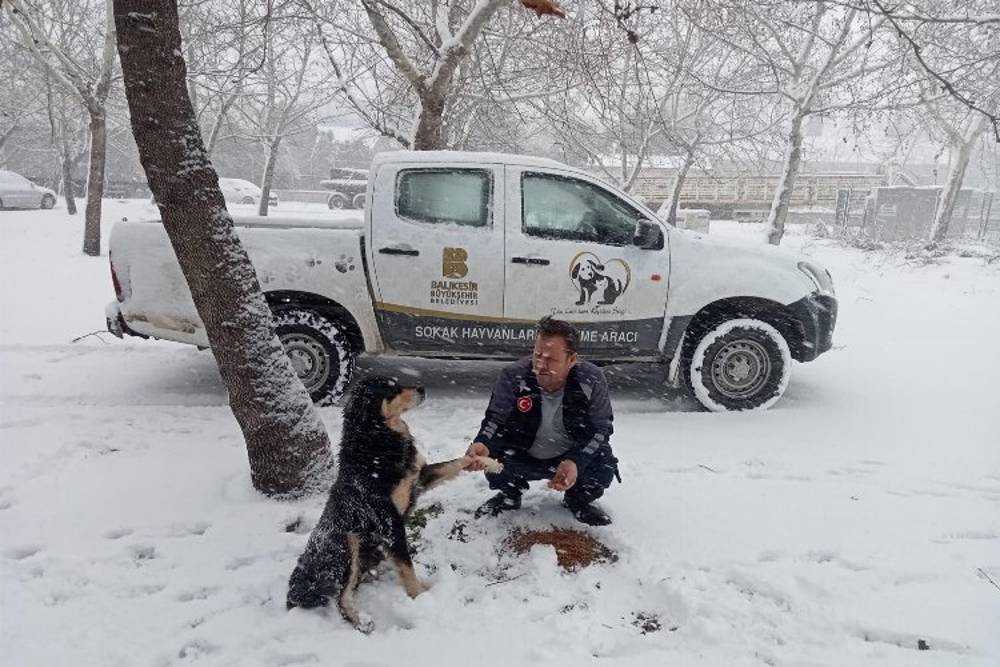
(380, 475)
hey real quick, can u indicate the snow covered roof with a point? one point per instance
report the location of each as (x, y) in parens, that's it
(464, 156)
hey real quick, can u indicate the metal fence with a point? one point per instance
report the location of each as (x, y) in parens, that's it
(902, 213)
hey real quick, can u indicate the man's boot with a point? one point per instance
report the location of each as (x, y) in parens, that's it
(588, 513)
(501, 502)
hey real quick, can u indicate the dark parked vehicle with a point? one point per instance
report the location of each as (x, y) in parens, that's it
(348, 186)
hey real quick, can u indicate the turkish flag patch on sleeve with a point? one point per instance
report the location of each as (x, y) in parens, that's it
(524, 404)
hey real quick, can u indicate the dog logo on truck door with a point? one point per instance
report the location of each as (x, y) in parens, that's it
(599, 282)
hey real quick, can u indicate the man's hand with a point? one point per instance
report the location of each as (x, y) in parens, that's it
(477, 453)
(565, 476)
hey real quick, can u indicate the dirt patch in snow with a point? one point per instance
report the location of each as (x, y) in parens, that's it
(574, 549)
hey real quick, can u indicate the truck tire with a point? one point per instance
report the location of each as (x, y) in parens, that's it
(336, 201)
(359, 201)
(739, 364)
(319, 352)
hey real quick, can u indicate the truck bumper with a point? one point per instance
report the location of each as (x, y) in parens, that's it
(116, 323)
(817, 314)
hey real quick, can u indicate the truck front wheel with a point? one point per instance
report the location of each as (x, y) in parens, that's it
(740, 364)
(319, 352)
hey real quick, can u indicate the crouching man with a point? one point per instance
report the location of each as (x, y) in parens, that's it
(550, 418)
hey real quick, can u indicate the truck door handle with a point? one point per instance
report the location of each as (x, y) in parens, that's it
(399, 251)
(540, 261)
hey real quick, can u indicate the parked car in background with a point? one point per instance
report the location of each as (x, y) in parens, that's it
(348, 188)
(18, 192)
(238, 191)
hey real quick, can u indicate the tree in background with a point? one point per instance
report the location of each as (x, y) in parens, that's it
(287, 444)
(422, 48)
(73, 66)
(285, 96)
(954, 47)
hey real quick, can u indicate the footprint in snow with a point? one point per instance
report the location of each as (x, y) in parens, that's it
(117, 533)
(196, 529)
(144, 591)
(202, 593)
(142, 553)
(300, 660)
(22, 552)
(196, 649)
(241, 562)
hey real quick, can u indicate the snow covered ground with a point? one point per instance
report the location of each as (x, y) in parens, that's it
(857, 520)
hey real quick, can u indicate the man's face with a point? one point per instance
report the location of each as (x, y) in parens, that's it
(552, 361)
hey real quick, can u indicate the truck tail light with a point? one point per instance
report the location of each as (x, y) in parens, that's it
(114, 281)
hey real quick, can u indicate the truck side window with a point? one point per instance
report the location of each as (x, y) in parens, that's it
(455, 196)
(557, 207)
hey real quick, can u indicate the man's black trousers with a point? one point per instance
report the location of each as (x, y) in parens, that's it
(519, 468)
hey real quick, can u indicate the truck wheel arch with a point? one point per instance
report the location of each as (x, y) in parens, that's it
(323, 306)
(771, 312)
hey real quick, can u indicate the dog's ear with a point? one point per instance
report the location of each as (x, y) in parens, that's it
(594, 265)
(576, 271)
(365, 403)
(361, 404)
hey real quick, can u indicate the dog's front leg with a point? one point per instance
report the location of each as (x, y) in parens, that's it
(348, 609)
(439, 473)
(400, 552)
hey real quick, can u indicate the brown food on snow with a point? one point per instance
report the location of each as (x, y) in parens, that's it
(575, 549)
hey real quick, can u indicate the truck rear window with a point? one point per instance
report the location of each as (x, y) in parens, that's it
(455, 196)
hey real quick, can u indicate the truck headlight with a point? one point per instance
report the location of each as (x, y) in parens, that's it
(820, 277)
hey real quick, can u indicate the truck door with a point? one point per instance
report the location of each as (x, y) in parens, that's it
(437, 246)
(570, 254)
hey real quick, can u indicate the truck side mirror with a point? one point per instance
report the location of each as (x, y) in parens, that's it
(648, 235)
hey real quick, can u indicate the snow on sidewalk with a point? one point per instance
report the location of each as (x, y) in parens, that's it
(851, 524)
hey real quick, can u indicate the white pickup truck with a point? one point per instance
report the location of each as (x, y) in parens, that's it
(459, 254)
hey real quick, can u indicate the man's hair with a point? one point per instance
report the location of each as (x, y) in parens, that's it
(550, 326)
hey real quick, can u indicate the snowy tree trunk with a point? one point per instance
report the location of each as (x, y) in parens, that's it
(956, 175)
(287, 445)
(265, 180)
(66, 166)
(95, 183)
(675, 190)
(789, 173)
(429, 134)
(57, 131)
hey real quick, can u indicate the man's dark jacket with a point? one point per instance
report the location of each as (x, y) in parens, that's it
(515, 411)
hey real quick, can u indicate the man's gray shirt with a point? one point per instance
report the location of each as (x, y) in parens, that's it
(551, 439)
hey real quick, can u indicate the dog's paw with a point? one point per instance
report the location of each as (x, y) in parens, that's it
(490, 465)
(365, 624)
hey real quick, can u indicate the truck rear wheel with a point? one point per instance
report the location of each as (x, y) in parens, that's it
(318, 350)
(740, 364)
(336, 201)
(359, 200)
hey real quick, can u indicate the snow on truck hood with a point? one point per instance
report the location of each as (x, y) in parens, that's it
(700, 263)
